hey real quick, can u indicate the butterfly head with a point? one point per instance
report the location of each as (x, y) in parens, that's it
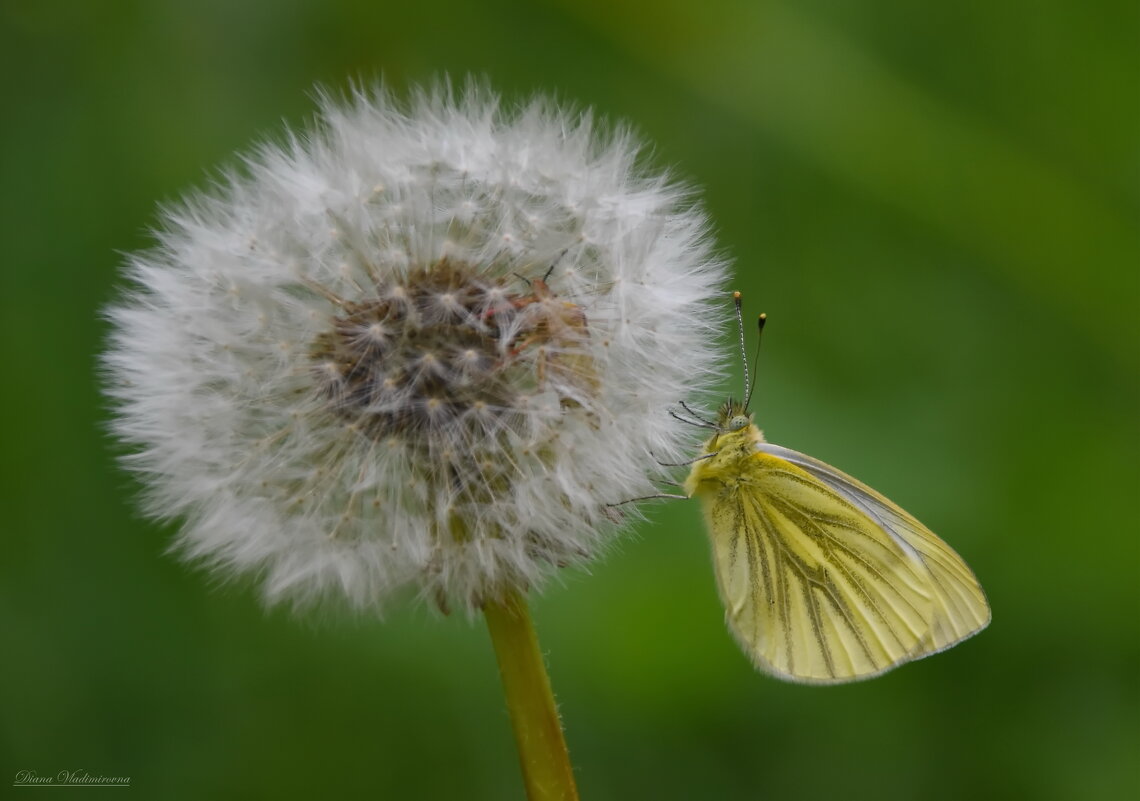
(733, 416)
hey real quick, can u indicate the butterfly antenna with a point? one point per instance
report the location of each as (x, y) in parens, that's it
(756, 358)
(738, 300)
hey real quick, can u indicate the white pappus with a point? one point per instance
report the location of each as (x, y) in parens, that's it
(419, 345)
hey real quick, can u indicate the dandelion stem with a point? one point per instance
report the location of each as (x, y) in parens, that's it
(538, 731)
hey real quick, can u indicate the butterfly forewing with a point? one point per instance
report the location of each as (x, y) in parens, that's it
(814, 589)
(960, 606)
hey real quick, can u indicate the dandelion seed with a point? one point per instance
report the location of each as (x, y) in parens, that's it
(421, 346)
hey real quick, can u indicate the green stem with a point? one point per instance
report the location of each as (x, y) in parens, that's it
(538, 731)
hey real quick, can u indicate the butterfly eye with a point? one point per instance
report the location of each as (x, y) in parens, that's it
(738, 422)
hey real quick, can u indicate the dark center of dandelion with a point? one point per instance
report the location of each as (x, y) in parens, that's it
(425, 354)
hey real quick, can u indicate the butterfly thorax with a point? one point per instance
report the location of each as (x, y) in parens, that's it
(732, 450)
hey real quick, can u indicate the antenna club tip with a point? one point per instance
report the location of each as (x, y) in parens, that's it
(763, 316)
(736, 295)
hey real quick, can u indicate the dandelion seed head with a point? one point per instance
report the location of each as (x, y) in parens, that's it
(420, 346)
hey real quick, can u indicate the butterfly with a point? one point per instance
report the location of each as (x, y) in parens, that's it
(823, 579)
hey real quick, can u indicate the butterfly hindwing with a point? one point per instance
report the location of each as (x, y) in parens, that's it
(815, 590)
(960, 606)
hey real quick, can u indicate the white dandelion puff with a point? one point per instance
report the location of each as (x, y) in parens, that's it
(419, 346)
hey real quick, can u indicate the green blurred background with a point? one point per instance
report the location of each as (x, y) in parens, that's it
(936, 204)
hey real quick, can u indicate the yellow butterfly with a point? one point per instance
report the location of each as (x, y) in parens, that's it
(823, 579)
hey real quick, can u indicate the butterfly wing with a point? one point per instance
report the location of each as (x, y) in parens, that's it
(814, 590)
(960, 606)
